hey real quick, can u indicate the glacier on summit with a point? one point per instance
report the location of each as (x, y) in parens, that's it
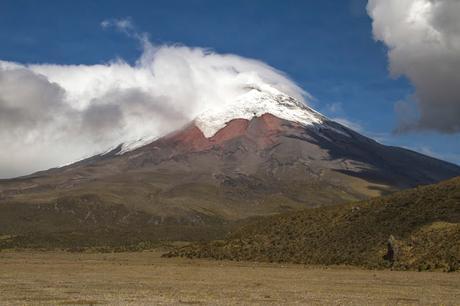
(257, 101)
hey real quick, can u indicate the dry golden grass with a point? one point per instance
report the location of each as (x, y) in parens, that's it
(144, 278)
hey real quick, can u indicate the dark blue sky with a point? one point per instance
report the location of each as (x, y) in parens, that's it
(325, 46)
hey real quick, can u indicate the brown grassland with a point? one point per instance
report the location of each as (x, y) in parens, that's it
(144, 278)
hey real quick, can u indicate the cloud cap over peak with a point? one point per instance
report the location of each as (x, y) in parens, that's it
(51, 115)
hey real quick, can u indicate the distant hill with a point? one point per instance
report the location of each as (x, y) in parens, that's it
(413, 229)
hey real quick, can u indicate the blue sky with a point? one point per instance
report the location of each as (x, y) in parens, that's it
(327, 47)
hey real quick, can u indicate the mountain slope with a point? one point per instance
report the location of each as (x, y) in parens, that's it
(266, 153)
(422, 225)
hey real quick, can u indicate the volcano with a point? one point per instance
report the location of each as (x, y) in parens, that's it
(262, 154)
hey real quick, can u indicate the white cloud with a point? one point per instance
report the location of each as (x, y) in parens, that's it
(122, 24)
(423, 37)
(106, 24)
(55, 114)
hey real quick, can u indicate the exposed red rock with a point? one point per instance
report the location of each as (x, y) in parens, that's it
(261, 130)
(271, 122)
(265, 129)
(234, 128)
(191, 138)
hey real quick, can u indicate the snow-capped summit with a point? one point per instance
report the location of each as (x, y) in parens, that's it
(258, 100)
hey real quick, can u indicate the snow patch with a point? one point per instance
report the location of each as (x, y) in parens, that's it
(130, 146)
(133, 145)
(257, 101)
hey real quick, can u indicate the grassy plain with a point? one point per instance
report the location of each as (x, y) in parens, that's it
(144, 278)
